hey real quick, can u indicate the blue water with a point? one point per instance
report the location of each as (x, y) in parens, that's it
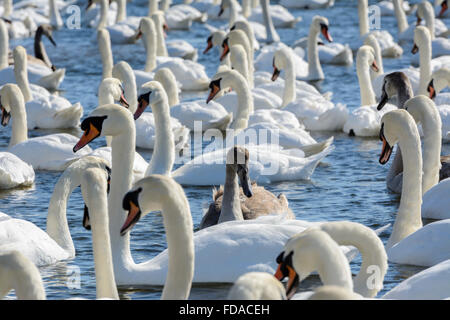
(348, 185)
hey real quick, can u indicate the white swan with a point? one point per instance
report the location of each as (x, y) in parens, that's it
(14, 172)
(99, 14)
(44, 110)
(303, 100)
(257, 286)
(410, 243)
(181, 16)
(93, 187)
(253, 248)
(365, 120)
(389, 48)
(440, 79)
(307, 4)
(55, 149)
(46, 248)
(19, 273)
(280, 16)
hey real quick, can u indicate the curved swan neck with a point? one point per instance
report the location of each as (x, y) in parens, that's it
(19, 129)
(180, 243)
(409, 213)
(163, 156)
(400, 15)
(245, 102)
(272, 35)
(363, 17)
(231, 204)
(57, 225)
(122, 159)
(104, 45)
(103, 22)
(161, 50)
(314, 68)
(20, 274)
(428, 13)
(124, 73)
(121, 10)
(39, 48)
(7, 8)
(94, 192)
(169, 82)
(238, 59)
(4, 45)
(365, 85)
(371, 249)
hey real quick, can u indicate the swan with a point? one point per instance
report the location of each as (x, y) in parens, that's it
(53, 148)
(440, 79)
(231, 204)
(257, 286)
(93, 187)
(388, 7)
(23, 22)
(409, 242)
(14, 172)
(181, 16)
(145, 125)
(102, 15)
(190, 74)
(316, 250)
(307, 4)
(19, 273)
(310, 107)
(245, 26)
(46, 248)
(441, 8)
(365, 120)
(282, 124)
(222, 252)
(216, 39)
(389, 48)
(37, 73)
(44, 110)
(280, 16)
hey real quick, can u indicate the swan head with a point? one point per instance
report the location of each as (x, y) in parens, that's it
(224, 5)
(392, 85)
(20, 55)
(237, 160)
(234, 37)
(222, 80)
(416, 107)
(106, 120)
(366, 57)
(91, 3)
(151, 93)
(439, 80)
(422, 38)
(299, 257)
(280, 60)
(147, 195)
(160, 21)
(7, 93)
(320, 24)
(444, 7)
(389, 133)
(47, 31)
(113, 87)
(370, 40)
(146, 27)
(422, 9)
(215, 39)
(257, 286)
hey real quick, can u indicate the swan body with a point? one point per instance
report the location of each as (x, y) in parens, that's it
(257, 286)
(14, 172)
(307, 4)
(435, 202)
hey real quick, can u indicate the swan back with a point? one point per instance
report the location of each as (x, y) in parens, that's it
(257, 286)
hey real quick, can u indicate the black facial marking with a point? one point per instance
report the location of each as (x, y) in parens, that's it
(97, 122)
(131, 196)
(215, 83)
(145, 97)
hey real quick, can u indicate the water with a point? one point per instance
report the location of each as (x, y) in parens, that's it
(348, 185)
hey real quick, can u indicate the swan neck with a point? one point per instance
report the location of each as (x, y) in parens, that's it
(121, 10)
(363, 17)
(7, 8)
(400, 15)
(289, 94)
(19, 129)
(409, 213)
(4, 46)
(152, 7)
(163, 156)
(150, 43)
(314, 68)
(103, 21)
(178, 226)
(128, 79)
(272, 35)
(21, 75)
(104, 45)
(231, 204)
(430, 22)
(425, 67)
(245, 103)
(365, 85)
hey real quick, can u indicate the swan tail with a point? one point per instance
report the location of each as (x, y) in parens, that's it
(69, 117)
(53, 80)
(316, 148)
(222, 124)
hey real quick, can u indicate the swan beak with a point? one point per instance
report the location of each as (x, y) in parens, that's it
(415, 49)
(165, 29)
(5, 116)
(383, 101)
(134, 214)
(326, 34)
(124, 101)
(141, 108)
(419, 20)
(90, 3)
(86, 220)
(283, 271)
(214, 90)
(90, 134)
(52, 40)
(209, 46)
(431, 90)
(444, 7)
(245, 181)
(138, 35)
(386, 150)
(374, 66)
(221, 11)
(226, 49)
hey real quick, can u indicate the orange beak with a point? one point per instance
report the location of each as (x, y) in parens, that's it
(208, 47)
(225, 51)
(132, 217)
(87, 137)
(215, 89)
(141, 108)
(326, 34)
(375, 66)
(139, 34)
(415, 49)
(444, 8)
